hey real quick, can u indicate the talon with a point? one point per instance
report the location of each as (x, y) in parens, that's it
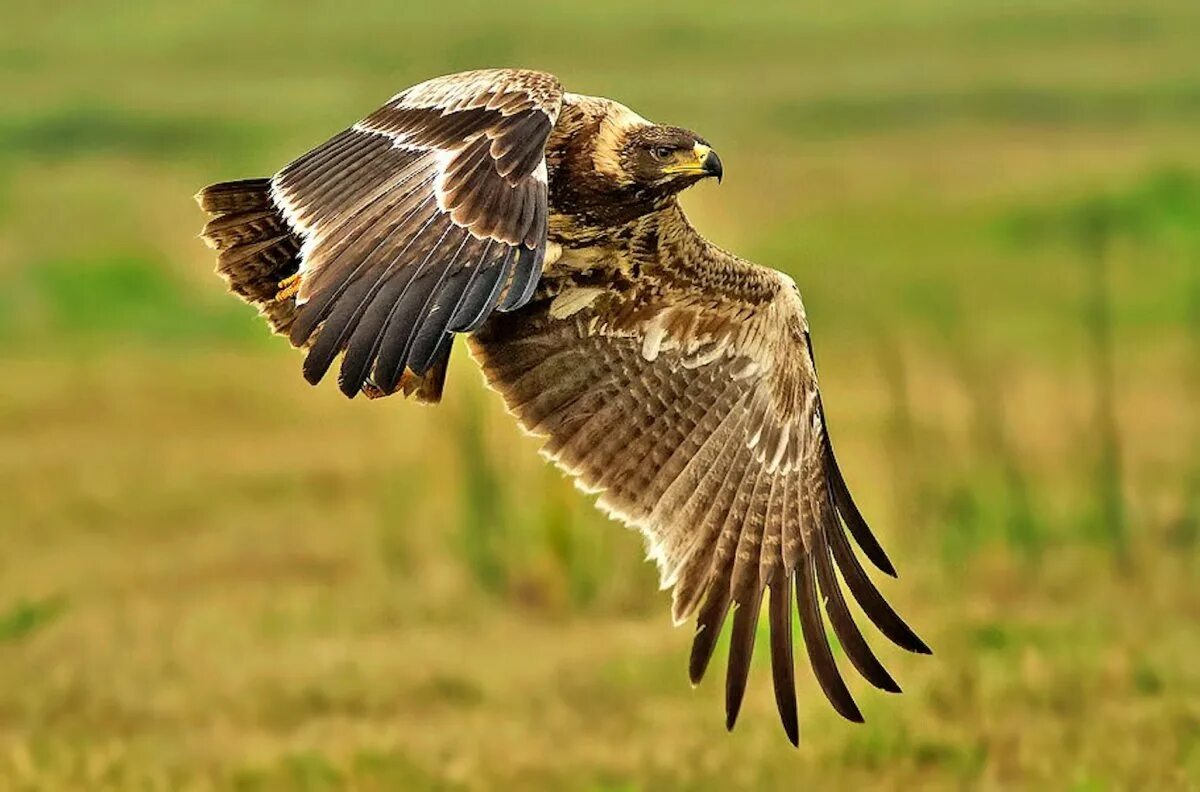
(288, 288)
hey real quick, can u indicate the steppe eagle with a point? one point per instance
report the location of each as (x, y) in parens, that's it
(671, 377)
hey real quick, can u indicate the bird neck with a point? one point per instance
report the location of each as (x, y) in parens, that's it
(637, 231)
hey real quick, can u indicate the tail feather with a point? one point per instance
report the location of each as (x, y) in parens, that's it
(227, 230)
(256, 250)
(235, 196)
(258, 255)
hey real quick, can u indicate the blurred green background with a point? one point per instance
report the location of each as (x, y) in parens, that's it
(212, 575)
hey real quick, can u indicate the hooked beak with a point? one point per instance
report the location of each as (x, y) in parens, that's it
(708, 161)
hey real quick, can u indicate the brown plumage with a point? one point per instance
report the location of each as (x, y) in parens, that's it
(672, 378)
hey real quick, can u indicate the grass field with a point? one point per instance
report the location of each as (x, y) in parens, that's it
(214, 576)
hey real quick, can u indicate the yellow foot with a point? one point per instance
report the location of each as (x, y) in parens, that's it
(288, 288)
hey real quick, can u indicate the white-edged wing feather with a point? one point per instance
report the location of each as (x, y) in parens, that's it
(694, 413)
(418, 221)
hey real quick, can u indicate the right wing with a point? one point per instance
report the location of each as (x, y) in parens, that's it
(696, 416)
(418, 222)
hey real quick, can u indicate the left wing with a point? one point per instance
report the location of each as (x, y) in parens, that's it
(695, 414)
(418, 221)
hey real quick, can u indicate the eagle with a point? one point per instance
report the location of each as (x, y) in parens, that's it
(671, 378)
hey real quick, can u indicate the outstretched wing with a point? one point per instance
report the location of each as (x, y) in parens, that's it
(418, 221)
(695, 414)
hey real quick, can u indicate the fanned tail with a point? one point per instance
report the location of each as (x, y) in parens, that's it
(258, 255)
(257, 252)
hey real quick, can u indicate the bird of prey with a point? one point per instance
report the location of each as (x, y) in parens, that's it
(669, 376)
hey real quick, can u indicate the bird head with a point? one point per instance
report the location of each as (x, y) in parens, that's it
(608, 165)
(667, 158)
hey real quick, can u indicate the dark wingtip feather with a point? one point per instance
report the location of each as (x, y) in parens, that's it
(859, 529)
(845, 503)
(820, 656)
(334, 332)
(701, 654)
(405, 322)
(363, 345)
(844, 626)
(350, 386)
(741, 649)
(480, 297)
(853, 517)
(708, 629)
(873, 604)
(434, 324)
(783, 669)
(314, 369)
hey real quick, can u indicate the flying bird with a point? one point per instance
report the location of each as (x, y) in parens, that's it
(668, 376)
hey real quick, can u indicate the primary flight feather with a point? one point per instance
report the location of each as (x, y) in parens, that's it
(669, 376)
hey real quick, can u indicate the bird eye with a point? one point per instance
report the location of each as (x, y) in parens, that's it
(661, 152)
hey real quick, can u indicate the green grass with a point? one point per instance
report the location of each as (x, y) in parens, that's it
(96, 303)
(214, 576)
(23, 619)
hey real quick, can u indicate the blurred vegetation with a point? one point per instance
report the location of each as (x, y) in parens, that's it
(215, 576)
